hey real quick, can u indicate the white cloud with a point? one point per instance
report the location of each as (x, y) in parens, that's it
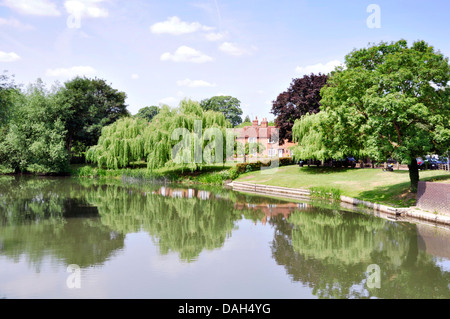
(85, 8)
(195, 83)
(232, 49)
(213, 36)
(186, 54)
(9, 57)
(11, 22)
(168, 101)
(71, 72)
(135, 76)
(318, 68)
(175, 26)
(34, 7)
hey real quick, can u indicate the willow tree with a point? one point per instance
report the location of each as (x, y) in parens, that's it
(186, 136)
(306, 132)
(120, 144)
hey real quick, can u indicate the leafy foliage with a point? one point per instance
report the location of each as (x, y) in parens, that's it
(228, 105)
(120, 144)
(147, 113)
(162, 141)
(158, 142)
(307, 133)
(302, 97)
(35, 137)
(390, 101)
(91, 104)
(7, 89)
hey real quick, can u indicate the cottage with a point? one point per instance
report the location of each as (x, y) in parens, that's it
(267, 136)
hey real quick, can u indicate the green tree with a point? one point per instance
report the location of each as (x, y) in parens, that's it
(120, 144)
(91, 104)
(35, 137)
(7, 89)
(228, 105)
(148, 113)
(133, 139)
(162, 148)
(390, 101)
(307, 133)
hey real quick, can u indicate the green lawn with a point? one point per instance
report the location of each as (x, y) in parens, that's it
(374, 185)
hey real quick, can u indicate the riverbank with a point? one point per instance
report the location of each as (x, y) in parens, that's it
(368, 185)
(371, 185)
(408, 214)
(214, 175)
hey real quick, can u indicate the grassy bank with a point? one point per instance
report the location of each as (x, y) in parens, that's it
(210, 175)
(374, 185)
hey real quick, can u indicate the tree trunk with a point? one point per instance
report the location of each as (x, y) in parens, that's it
(414, 175)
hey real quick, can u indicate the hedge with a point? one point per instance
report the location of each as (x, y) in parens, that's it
(250, 167)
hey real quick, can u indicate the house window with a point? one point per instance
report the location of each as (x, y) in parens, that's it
(272, 152)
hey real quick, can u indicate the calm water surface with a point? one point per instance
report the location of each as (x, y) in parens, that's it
(160, 241)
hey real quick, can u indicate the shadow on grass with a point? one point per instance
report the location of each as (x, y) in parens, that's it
(397, 195)
(442, 177)
(325, 170)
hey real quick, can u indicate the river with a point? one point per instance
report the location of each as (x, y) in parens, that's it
(82, 238)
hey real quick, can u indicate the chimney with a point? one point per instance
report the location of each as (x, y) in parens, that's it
(264, 123)
(255, 122)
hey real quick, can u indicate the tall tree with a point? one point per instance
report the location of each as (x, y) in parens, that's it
(148, 113)
(91, 104)
(129, 139)
(35, 137)
(229, 106)
(302, 97)
(392, 101)
(7, 89)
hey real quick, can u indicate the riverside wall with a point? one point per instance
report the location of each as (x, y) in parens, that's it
(411, 213)
(434, 197)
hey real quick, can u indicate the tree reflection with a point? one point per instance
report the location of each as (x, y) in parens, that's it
(40, 219)
(330, 252)
(179, 220)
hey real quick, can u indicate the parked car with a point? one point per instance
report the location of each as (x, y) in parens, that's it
(434, 163)
(344, 162)
(349, 162)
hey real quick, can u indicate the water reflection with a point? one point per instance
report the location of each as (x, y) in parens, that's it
(86, 223)
(331, 252)
(40, 218)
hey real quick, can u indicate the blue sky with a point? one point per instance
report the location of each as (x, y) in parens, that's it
(164, 51)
